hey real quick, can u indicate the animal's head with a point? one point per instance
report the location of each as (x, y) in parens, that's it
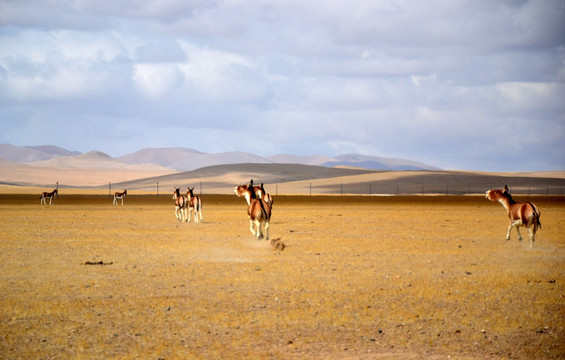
(56, 192)
(125, 192)
(240, 190)
(493, 195)
(176, 193)
(190, 192)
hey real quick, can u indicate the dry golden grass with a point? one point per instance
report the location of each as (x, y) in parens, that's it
(361, 277)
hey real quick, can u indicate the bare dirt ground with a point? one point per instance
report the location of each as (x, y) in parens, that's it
(361, 277)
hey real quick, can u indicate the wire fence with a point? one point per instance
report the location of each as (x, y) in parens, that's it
(378, 188)
(399, 189)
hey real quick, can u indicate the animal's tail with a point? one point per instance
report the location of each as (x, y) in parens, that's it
(537, 215)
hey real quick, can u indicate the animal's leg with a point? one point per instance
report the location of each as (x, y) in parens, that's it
(508, 232)
(251, 227)
(532, 237)
(51, 200)
(42, 200)
(122, 201)
(259, 232)
(266, 230)
(518, 231)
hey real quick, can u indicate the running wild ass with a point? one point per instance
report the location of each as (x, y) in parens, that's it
(259, 210)
(49, 195)
(180, 205)
(193, 203)
(520, 214)
(119, 196)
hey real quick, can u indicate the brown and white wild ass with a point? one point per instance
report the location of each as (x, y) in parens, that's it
(259, 210)
(50, 195)
(520, 214)
(119, 195)
(260, 192)
(193, 203)
(180, 205)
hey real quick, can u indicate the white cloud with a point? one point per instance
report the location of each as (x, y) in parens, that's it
(519, 93)
(156, 80)
(420, 80)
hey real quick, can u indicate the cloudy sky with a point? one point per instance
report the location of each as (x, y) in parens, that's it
(473, 85)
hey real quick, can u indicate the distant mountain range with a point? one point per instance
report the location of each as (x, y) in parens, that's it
(184, 159)
(33, 153)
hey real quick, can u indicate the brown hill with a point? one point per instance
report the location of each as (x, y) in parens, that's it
(90, 169)
(305, 179)
(32, 153)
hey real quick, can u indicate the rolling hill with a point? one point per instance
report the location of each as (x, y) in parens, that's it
(184, 159)
(149, 169)
(33, 153)
(312, 179)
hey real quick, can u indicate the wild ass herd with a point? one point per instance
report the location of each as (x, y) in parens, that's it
(260, 205)
(185, 204)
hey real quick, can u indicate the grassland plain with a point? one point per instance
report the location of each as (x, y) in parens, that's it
(361, 277)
